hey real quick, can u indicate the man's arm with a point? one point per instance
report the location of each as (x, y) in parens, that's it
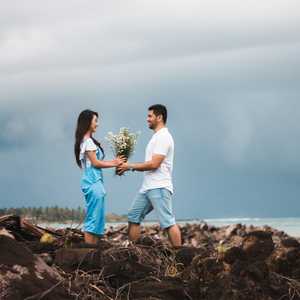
(152, 164)
(103, 163)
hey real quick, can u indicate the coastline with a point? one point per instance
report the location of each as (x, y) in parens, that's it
(290, 225)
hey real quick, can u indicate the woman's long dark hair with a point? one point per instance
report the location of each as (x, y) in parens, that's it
(83, 125)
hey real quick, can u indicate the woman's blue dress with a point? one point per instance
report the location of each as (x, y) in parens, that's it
(94, 194)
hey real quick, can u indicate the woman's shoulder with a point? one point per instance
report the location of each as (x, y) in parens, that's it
(87, 140)
(88, 144)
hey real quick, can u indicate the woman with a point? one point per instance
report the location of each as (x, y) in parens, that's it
(89, 156)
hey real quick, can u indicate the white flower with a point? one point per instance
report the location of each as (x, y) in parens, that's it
(122, 143)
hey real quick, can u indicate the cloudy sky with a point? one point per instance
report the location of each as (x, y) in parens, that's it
(228, 71)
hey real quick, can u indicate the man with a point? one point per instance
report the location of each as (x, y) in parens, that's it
(157, 188)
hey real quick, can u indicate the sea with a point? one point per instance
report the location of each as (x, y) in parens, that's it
(289, 225)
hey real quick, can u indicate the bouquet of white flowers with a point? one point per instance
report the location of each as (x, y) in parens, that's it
(123, 143)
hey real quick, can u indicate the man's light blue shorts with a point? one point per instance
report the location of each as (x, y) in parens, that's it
(160, 200)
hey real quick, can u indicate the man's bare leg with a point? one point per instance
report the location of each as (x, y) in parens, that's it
(134, 231)
(174, 235)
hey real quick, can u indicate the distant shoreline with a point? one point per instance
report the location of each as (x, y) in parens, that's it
(69, 217)
(289, 225)
(76, 215)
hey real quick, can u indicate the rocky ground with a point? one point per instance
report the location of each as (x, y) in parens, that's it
(232, 262)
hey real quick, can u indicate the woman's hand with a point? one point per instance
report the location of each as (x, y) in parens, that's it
(119, 160)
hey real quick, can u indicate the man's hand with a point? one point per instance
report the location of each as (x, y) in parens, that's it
(150, 165)
(119, 160)
(121, 169)
(123, 157)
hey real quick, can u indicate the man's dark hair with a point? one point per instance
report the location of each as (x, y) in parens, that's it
(159, 109)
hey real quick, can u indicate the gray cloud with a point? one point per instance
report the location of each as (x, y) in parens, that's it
(229, 74)
(120, 33)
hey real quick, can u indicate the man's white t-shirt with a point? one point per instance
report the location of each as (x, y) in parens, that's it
(161, 143)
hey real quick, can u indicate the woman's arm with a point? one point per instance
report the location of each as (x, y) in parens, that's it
(103, 163)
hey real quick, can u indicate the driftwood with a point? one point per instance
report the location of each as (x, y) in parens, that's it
(24, 230)
(32, 228)
(8, 217)
(234, 262)
(23, 275)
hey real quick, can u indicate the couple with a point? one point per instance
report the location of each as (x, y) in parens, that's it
(157, 188)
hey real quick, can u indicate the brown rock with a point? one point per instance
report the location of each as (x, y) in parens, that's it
(69, 259)
(206, 268)
(292, 254)
(234, 253)
(290, 243)
(203, 226)
(258, 245)
(146, 240)
(23, 275)
(170, 289)
(185, 255)
(280, 264)
(47, 258)
(258, 270)
(232, 229)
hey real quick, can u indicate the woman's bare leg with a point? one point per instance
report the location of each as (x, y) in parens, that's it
(90, 238)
